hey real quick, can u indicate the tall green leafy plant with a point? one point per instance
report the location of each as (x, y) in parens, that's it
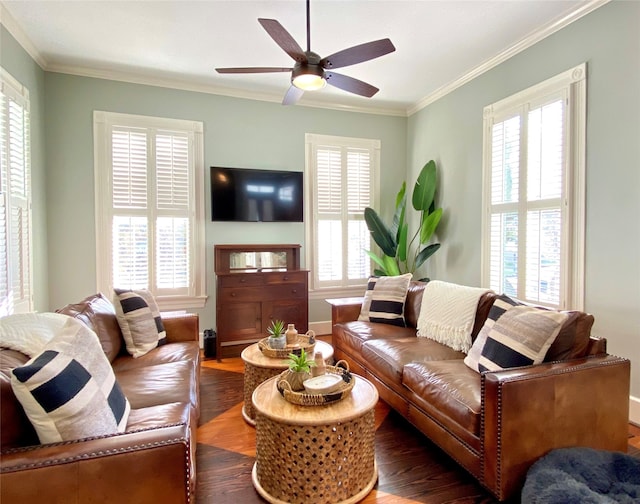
(401, 254)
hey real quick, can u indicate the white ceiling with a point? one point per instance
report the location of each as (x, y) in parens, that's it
(179, 43)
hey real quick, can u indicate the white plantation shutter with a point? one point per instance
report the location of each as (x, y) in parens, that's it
(129, 165)
(15, 198)
(343, 173)
(530, 212)
(155, 209)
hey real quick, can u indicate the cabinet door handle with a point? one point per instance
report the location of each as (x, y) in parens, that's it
(243, 280)
(233, 294)
(294, 291)
(285, 278)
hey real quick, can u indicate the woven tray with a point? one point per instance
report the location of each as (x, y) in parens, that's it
(283, 353)
(304, 399)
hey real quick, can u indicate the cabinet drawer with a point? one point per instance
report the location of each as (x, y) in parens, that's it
(241, 280)
(257, 293)
(285, 277)
(285, 291)
(276, 291)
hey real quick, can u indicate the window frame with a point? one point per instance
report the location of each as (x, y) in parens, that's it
(103, 123)
(572, 85)
(312, 141)
(14, 91)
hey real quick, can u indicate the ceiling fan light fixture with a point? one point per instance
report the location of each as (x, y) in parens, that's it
(308, 78)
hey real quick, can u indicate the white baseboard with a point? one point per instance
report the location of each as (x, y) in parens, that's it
(634, 410)
(321, 328)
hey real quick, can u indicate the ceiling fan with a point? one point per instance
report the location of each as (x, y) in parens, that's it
(310, 71)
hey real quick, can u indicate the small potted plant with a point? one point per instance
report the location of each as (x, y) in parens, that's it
(299, 369)
(277, 338)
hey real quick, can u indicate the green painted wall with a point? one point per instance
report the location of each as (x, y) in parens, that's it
(251, 133)
(451, 129)
(15, 60)
(237, 132)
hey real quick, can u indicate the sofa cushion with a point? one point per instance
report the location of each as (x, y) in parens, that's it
(69, 390)
(160, 384)
(99, 315)
(572, 341)
(350, 336)
(384, 299)
(514, 335)
(140, 321)
(174, 352)
(447, 388)
(159, 416)
(387, 358)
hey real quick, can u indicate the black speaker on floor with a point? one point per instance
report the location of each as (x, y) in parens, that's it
(209, 343)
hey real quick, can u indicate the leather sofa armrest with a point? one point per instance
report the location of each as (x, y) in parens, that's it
(181, 326)
(345, 309)
(528, 411)
(111, 467)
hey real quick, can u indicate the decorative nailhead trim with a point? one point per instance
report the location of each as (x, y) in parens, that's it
(94, 454)
(584, 365)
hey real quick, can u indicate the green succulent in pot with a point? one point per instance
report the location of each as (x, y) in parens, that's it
(300, 363)
(401, 254)
(299, 369)
(277, 338)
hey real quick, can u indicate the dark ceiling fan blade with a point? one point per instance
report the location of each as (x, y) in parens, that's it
(242, 70)
(358, 54)
(283, 39)
(292, 95)
(350, 84)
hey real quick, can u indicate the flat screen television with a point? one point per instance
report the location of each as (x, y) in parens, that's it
(251, 195)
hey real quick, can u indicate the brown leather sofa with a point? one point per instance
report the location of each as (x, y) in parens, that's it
(152, 462)
(494, 424)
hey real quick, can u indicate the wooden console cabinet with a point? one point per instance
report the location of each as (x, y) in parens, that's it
(256, 284)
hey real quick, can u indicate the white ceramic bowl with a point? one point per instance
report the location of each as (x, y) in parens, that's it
(323, 384)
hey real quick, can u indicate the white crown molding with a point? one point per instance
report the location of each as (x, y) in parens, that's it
(525, 43)
(211, 89)
(12, 26)
(7, 20)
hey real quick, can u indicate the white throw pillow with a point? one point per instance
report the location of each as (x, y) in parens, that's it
(28, 333)
(139, 319)
(69, 390)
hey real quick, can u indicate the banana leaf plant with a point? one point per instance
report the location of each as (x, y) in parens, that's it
(399, 253)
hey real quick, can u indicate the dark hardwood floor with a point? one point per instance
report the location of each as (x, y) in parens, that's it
(411, 469)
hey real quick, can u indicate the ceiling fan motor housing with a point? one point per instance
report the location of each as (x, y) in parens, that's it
(308, 75)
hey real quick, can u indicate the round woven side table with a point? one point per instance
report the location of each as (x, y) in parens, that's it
(315, 454)
(258, 368)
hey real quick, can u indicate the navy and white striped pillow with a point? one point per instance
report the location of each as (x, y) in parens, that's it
(69, 390)
(384, 299)
(514, 335)
(139, 319)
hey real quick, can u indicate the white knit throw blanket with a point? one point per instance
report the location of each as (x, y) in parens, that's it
(447, 313)
(30, 332)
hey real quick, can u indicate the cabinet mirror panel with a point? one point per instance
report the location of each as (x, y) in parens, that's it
(249, 262)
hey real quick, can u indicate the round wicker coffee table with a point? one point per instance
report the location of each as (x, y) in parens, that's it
(258, 368)
(315, 454)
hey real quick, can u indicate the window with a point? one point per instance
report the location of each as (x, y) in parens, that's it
(533, 193)
(343, 175)
(15, 198)
(149, 176)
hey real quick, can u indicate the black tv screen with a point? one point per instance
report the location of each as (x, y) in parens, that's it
(250, 195)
